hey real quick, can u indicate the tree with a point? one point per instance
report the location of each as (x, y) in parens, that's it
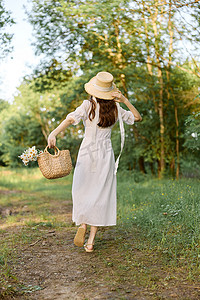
(5, 37)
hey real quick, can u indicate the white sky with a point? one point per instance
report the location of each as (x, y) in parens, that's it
(22, 60)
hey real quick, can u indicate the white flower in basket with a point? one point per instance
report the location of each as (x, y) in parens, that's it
(31, 154)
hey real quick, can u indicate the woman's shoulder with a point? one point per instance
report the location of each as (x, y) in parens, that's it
(86, 105)
(86, 102)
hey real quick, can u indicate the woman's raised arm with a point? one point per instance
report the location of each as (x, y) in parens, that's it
(121, 98)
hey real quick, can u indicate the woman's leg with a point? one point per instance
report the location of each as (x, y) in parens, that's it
(90, 242)
(83, 225)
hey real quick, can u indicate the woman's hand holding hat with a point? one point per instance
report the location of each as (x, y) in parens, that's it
(119, 97)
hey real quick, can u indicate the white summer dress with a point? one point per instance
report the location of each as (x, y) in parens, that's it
(94, 179)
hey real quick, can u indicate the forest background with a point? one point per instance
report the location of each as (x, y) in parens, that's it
(152, 49)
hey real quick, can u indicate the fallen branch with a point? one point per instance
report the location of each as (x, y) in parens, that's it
(33, 244)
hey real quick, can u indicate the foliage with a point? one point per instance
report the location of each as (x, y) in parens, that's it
(192, 133)
(4, 105)
(18, 133)
(48, 77)
(5, 37)
(29, 120)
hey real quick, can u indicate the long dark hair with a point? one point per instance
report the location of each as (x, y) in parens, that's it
(107, 112)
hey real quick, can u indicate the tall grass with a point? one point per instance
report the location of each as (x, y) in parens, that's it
(167, 213)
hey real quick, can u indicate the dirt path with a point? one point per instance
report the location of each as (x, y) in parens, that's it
(51, 267)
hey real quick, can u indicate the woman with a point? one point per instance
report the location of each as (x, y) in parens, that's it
(94, 180)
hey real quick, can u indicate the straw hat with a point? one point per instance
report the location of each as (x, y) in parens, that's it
(101, 86)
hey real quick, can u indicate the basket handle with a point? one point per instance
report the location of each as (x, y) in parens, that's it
(56, 150)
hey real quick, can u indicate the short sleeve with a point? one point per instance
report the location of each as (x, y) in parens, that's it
(127, 116)
(81, 112)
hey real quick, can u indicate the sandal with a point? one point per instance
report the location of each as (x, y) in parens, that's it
(86, 247)
(80, 237)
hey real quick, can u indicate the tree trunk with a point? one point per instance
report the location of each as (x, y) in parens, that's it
(159, 168)
(177, 144)
(172, 166)
(149, 65)
(162, 131)
(44, 127)
(154, 17)
(141, 164)
(152, 168)
(120, 64)
(171, 33)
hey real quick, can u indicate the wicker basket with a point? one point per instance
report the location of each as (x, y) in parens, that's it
(55, 166)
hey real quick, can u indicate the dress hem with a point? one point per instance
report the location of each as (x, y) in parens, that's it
(77, 224)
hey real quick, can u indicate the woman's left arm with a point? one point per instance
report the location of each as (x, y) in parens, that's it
(121, 98)
(55, 132)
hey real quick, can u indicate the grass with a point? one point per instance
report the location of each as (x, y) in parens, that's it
(161, 216)
(167, 214)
